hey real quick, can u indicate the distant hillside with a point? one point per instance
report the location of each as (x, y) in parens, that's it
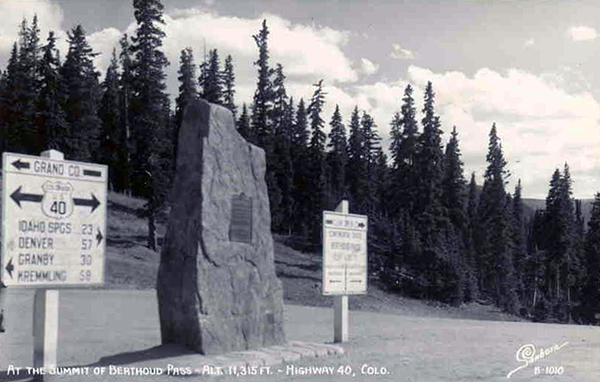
(537, 204)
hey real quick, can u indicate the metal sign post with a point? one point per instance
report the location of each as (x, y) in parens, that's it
(344, 262)
(53, 227)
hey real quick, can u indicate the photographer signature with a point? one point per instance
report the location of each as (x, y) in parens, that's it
(526, 354)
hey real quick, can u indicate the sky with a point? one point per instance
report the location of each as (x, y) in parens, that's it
(530, 66)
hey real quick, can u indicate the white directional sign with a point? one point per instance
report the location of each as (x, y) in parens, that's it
(344, 253)
(53, 222)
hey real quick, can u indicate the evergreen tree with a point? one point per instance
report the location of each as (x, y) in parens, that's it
(263, 96)
(243, 124)
(125, 146)
(285, 167)
(212, 84)
(497, 271)
(187, 91)
(371, 151)
(518, 240)
(51, 123)
(337, 157)
(83, 98)
(591, 302)
(357, 164)
(229, 86)
(32, 140)
(150, 114)
(302, 175)
(319, 183)
(109, 114)
(454, 182)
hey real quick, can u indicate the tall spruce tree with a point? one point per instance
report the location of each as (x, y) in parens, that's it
(51, 123)
(125, 146)
(109, 115)
(302, 175)
(263, 96)
(337, 157)
(318, 165)
(591, 303)
(187, 92)
(83, 98)
(229, 86)
(149, 106)
(357, 164)
(498, 279)
(212, 80)
(243, 123)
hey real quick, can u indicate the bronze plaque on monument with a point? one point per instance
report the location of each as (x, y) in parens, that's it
(240, 227)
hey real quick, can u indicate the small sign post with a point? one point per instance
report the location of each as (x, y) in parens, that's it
(53, 228)
(344, 262)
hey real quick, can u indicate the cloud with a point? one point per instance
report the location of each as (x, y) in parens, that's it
(401, 54)
(530, 42)
(541, 125)
(582, 33)
(368, 67)
(50, 17)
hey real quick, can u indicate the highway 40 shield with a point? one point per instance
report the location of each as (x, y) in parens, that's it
(57, 201)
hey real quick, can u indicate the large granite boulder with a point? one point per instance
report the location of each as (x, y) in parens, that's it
(217, 288)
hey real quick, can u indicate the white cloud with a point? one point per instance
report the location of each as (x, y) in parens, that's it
(50, 16)
(582, 33)
(540, 124)
(400, 53)
(368, 67)
(530, 42)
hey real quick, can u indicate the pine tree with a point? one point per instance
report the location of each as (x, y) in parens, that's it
(370, 149)
(11, 111)
(498, 277)
(187, 91)
(357, 164)
(243, 124)
(285, 167)
(591, 302)
(229, 86)
(454, 182)
(317, 164)
(337, 157)
(109, 115)
(212, 86)
(29, 61)
(263, 96)
(83, 98)
(302, 175)
(123, 171)
(51, 123)
(518, 239)
(150, 114)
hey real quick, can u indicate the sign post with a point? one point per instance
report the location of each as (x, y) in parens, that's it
(53, 227)
(344, 262)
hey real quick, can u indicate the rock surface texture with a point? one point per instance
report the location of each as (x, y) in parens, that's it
(217, 288)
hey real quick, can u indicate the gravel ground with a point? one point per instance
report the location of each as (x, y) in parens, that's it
(120, 328)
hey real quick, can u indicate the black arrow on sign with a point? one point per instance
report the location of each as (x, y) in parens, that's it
(19, 164)
(17, 196)
(10, 267)
(361, 225)
(93, 202)
(99, 237)
(92, 173)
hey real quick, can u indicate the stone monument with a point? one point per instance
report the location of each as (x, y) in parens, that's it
(217, 288)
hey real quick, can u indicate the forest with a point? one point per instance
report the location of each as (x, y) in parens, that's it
(434, 233)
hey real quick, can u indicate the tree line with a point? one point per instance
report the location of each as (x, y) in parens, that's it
(432, 234)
